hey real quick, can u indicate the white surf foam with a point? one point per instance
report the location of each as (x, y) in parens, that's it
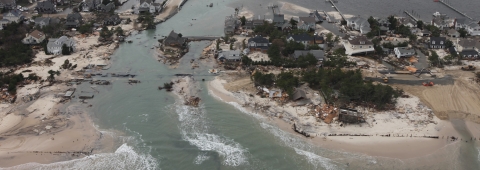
(123, 158)
(300, 147)
(200, 158)
(237, 106)
(195, 130)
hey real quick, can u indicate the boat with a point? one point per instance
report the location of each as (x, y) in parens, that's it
(436, 14)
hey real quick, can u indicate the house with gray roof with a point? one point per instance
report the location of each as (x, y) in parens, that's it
(174, 40)
(45, 7)
(318, 17)
(44, 21)
(8, 4)
(467, 44)
(461, 23)
(403, 52)
(473, 29)
(90, 5)
(14, 15)
(453, 33)
(233, 55)
(469, 55)
(408, 22)
(318, 54)
(306, 23)
(304, 38)
(441, 22)
(106, 8)
(357, 45)
(149, 6)
(437, 42)
(4, 22)
(74, 20)
(258, 22)
(278, 20)
(359, 24)
(248, 25)
(112, 20)
(231, 24)
(54, 45)
(258, 43)
(35, 37)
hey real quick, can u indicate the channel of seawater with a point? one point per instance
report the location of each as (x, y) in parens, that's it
(161, 133)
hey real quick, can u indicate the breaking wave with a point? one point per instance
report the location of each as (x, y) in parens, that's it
(123, 158)
(300, 148)
(194, 129)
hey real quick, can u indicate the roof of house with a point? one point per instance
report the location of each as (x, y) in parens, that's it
(461, 21)
(318, 15)
(278, 18)
(7, 1)
(307, 19)
(301, 37)
(15, 12)
(40, 19)
(360, 40)
(318, 37)
(299, 94)
(231, 55)
(174, 38)
(286, 25)
(318, 54)
(58, 42)
(258, 39)
(473, 24)
(425, 31)
(147, 1)
(437, 39)
(404, 50)
(45, 5)
(109, 7)
(406, 21)
(452, 31)
(74, 16)
(469, 52)
(466, 43)
(37, 34)
(452, 50)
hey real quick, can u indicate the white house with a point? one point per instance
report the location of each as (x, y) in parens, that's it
(306, 23)
(305, 39)
(14, 15)
(35, 37)
(55, 45)
(403, 52)
(149, 6)
(359, 24)
(473, 29)
(356, 45)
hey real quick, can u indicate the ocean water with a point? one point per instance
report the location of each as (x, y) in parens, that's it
(161, 133)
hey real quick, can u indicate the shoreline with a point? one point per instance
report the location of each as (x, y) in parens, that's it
(39, 127)
(391, 147)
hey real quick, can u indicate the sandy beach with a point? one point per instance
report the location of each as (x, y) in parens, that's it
(42, 127)
(399, 145)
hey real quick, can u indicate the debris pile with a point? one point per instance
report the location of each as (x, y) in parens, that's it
(192, 101)
(326, 113)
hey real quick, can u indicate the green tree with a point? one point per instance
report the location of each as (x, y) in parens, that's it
(434, 58)
(420, 24)
(243, 19)
(448, 44)
(263, 79)
(393, 22)
(119, 31)
(329, 37)
(293, 22)
(287, 82)
(463, 32)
